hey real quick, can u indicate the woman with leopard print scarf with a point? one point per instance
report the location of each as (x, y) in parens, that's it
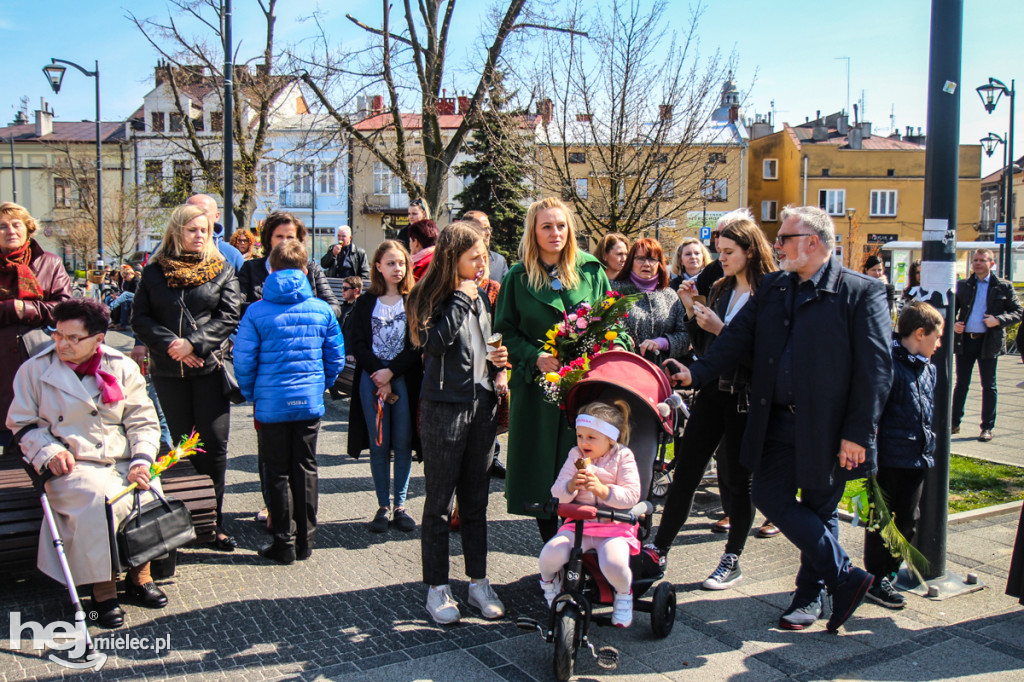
(187, 305)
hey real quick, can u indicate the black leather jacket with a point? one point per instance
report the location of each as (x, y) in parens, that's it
(448, 350)
(254, 273)
(736, 380)
(158, 319)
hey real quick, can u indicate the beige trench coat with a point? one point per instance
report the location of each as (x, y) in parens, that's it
(105, 441)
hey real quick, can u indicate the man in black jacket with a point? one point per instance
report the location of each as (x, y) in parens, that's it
(819, 338)
(985, 305)
(497, 262)
(345, 259)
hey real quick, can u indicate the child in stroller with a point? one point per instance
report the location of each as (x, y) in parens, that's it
(600, 470)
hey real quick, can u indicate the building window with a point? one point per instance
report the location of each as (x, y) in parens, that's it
(154, 174)
(661, 158)
(769, 211)
(85, 195)
(665, 189)
(197, 124)
(883, 202)
(302, 179)
(832, 201)
(715, 190)
(826, 172)
(582, 187)
(419, 172)
(183, 179)
(175, 123)
(328, 179)
(384, 181)
(771, 169)
(156, 121)
(577, 157)
(716, 157)
(216, 121)
(268, 178)
(61, 193)
(890, 172)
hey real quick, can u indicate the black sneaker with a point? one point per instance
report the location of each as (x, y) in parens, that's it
(402, 520)
(380, 521)
(847, 596)
(884, 594)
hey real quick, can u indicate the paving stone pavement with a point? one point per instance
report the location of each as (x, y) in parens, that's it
(354, 611)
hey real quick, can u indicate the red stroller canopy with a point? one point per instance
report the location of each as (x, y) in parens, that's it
(642, 378)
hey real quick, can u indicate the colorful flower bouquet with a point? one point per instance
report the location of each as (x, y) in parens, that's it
(865, 500)
(581, 335)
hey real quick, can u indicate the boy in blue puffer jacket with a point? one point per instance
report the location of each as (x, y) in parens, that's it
(288, 351)
(906, 441)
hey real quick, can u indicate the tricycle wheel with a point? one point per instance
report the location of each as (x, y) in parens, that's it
(565, 642)
(663, 610)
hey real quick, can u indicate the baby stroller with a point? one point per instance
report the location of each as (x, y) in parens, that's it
(586, 596)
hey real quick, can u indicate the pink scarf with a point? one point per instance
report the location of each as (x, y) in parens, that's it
(110, 391)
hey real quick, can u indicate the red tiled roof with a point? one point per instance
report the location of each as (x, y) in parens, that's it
(806, 135)
(66, 131)
(409, 122)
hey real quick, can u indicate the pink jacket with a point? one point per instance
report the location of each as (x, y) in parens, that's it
(616, 469)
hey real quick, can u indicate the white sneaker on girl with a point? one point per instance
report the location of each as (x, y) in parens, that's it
(552, 588)
(622, 610)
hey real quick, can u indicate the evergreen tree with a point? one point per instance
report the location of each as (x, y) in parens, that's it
(499, 170)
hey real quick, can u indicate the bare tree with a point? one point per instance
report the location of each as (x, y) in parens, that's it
(628, 131)
(74, 174)
(191, 58)
(410, 55)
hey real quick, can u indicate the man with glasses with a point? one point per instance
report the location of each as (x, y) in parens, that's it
(818, 335)
(345, 259)
(351, 287)
(985, 306)
(498, 264)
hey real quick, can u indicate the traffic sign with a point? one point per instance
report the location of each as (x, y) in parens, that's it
(705, 233)
(1000, 233)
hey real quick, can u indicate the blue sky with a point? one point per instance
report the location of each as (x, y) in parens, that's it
(786, 49)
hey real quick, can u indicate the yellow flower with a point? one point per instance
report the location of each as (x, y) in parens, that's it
(611, 336)
(552, 377)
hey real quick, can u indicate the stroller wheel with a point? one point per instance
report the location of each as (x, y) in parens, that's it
(663, 610)
(660, 486)
(566, 642)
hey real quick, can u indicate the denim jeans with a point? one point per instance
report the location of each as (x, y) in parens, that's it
(396, 434)
(165, 431)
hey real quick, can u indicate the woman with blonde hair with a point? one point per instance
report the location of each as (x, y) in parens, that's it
(691, 257)
(186, 307)
(719, 412)
(612, 251)
(552, 278)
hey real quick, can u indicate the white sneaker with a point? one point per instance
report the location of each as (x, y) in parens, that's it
(551, 589)
(441, 606)
(482, 596)
(622, 610)
(726, 575)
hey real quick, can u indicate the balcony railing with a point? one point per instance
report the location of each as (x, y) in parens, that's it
(291, 199)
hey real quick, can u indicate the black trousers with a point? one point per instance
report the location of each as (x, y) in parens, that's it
(290, 483)
(965, 360)
(902, 488)
(714, 423)
(457, 440)
(199, 403)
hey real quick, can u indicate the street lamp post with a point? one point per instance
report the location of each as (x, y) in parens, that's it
(990, 94)
(705, 191)
(55, 74)
(989, 144)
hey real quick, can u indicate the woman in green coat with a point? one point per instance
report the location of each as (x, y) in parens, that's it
(552, 279)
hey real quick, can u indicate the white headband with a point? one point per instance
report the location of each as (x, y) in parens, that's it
(599, 425)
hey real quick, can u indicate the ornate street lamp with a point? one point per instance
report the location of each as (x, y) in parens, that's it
(989, 144)
(990, 93)
(55, 76)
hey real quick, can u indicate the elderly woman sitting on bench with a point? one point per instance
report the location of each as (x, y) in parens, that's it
(96, 431)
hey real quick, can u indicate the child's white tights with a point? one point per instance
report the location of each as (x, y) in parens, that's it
(612, 557)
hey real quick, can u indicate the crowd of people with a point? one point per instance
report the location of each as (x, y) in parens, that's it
(448, 344)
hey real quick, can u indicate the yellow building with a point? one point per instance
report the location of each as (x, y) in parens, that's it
(54, 165)
(872, 186)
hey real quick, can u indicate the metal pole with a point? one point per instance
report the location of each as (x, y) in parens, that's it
(1008, 176)
(99, 175)
(941, 178)
(313, 204)
(229, 149)
(14, 171)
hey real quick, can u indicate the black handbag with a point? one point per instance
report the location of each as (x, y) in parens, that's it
(153, 529)
(229, 384)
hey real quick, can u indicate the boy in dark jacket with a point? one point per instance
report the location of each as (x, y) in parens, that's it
(289, 349)
(906, 441)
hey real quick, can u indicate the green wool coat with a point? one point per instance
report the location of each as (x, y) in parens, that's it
(539, 436)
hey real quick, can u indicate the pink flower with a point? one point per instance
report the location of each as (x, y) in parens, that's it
(572, 318)
(581, 324)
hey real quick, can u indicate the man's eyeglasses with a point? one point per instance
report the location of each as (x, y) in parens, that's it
(70, 338)
(243, 240)
(781, 239)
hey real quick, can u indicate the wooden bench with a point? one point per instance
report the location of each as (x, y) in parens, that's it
(21, 514)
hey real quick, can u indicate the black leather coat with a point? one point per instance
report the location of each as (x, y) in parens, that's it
(1001, 302)
(254, 273)
(158, 319)
(448, 350)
